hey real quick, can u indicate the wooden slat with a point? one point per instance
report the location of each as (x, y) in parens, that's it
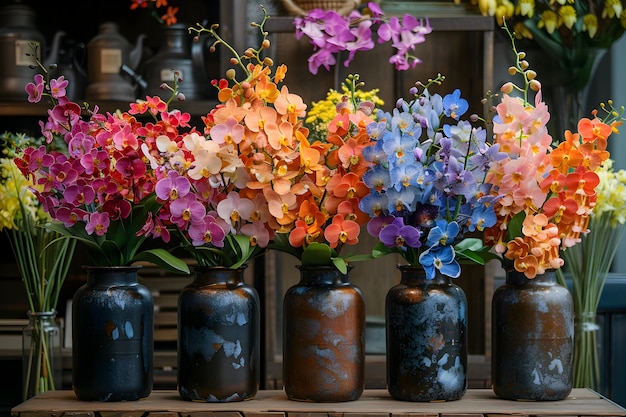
(164, 318)
(122, 413)
(581, 402)
(165, 335)
(212, 414)
(166, 301)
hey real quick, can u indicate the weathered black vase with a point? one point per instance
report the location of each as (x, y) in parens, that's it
(219, 337)
(112, 336)
(323, 337)
(532, 338)
(426, 325)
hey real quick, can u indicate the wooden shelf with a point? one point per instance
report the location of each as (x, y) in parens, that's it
(25, 109)
(443, 16)
(373, 403)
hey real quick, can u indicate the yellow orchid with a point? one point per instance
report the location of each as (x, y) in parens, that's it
(568, 15)
(567, 30)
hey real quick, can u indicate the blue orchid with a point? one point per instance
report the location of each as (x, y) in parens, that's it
(427, 183)
(440, 258)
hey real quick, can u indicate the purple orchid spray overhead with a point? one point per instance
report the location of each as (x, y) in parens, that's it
(427, 183)
(331, 33)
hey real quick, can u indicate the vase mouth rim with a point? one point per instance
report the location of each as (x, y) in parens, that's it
(218, 267)
(47, 313)
(88, 267)
(409, 266)
(324, 267)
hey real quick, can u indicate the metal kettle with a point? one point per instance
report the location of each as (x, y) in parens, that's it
(70, 64)
(178, 54)
(107, 54)
(20, 44)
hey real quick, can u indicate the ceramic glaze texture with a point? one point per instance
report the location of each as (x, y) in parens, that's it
(323, 337)
(218, 337)
(112, 336)
(533, 339)
(426, 324)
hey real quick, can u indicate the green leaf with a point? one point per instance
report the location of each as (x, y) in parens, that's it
(163, 259)
(515, 226)
(281, 243)
(341, 265)
(469, 244)
(357, 258)
(317, 254)
(381, 250)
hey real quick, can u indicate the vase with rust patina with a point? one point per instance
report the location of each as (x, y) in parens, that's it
(323, 337)
(532, 338)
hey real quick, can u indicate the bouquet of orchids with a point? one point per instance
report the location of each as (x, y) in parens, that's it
(546, 193)
(305, 193)
(99, 189)
(427, 182)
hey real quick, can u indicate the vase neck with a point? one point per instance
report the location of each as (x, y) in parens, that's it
(322, 275)
(112, 275)
(519, 279)
(415, 275)
(42, 315)
(217, 275)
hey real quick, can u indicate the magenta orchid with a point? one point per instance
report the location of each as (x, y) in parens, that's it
(99, 190)
(331, 33)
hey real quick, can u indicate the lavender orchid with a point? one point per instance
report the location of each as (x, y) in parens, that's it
(427, 182)
(331, 33)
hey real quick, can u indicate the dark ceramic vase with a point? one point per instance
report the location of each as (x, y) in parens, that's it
(219, 337)
(323, 337)
(426, 325)
(112, 336)
(532, 338)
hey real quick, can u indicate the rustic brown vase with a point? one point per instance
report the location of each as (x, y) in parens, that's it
(323, 337)
(426, 325)
(532, 338)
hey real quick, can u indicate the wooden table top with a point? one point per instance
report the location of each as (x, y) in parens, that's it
(373, 403)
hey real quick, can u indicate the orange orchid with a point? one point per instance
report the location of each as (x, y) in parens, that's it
(545, 194)
(308, 190)
(168, 18)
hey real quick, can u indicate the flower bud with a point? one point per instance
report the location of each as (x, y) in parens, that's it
(507, 88)
(535, 85)
(512, 70)
(268, 62)
(531, 74)
(230, 74)
(524, 64)
(265, 44)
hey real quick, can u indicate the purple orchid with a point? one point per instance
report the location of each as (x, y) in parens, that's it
(331, 33)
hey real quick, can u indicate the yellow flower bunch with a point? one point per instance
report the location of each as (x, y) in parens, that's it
(324, 111)
(14, 187)
(16, 198)
(565, 29)
(611, 195)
